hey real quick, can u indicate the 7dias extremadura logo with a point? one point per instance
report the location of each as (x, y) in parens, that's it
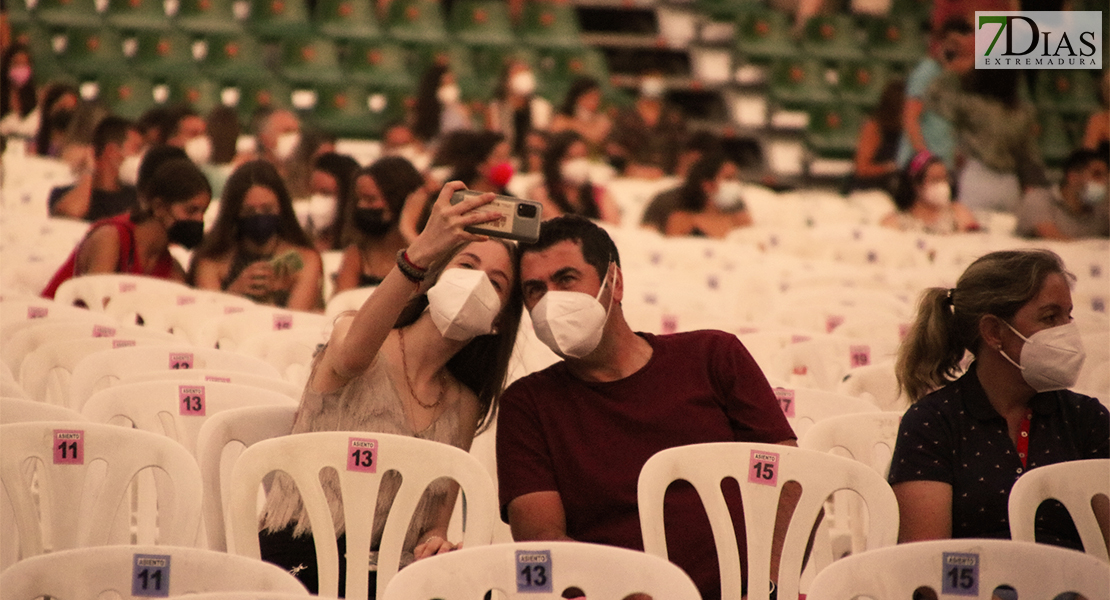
(1038, 40)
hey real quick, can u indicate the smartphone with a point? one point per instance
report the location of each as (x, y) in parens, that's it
(518, 219)
(287, 264)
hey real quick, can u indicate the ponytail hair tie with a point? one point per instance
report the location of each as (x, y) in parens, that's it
(948, 298)
(918, 162)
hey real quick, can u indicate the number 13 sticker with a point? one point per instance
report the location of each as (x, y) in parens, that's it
(362, 455)
(533, 571)
(763, 468)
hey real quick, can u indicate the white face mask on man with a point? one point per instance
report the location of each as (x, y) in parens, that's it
(463, 304)
(571, 323)
(1051, 358)
(199, 149)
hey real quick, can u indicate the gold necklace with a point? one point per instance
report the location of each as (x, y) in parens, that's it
(408, 380)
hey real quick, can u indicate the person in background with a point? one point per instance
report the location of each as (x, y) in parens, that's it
(708, 203)
(399, 140)
(479, 159)
(566, 188)
(59, 100)
(18, 116)
(875, 165)
(439, 109)
(967, 438)
(298, 167)
(332, 178)
(256, 248)
(581, 112)
(516, 110)
(372, 234)
(924, 128)
(189, 131)
(697, 145)
(277, 133)
(1096, 136)
(222, 127)
(172, 201)
(646, 137)
(408, 362)
(924, 200)
(99, 192)
(1078, 208)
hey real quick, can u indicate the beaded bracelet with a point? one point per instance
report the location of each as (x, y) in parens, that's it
(409, 269)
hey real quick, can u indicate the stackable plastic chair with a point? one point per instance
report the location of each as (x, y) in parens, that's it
(9, 387)
(304, 456)
(231, 331)
(98, 370)
(348, 300)
(964, 568)
(19, 410)
(290, 351)
(804, 407)
(35, 334)
(1073, 484)
(18, 310)
(761, 470)
(143, 572)
(64, 518)
(241, 426)
(602, 572)
(97, 291)
(877, 384)
(217, 376)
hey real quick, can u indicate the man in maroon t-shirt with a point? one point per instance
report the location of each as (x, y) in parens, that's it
(571, 439)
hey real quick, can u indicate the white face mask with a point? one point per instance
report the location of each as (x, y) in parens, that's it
(571, 323)
(199, 149)
(728, 195)
(576, 171)
(1094, 193)
(938, 194)
(523, 83)
(129, 169)
(463, 304)
(321, 210)
(286, 144)
(652, 87)
(448, 94)
(1051, 358)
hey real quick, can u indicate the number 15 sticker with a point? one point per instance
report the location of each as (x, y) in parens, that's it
(763, 468)
(960, 575)
(533, 571)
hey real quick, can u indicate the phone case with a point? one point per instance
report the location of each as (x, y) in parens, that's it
(510, 225)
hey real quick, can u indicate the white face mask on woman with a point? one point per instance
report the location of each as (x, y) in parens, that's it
(1051, 358)
(571, 323)
(448, 94)
(938, 194)
(463, 304)
(523, 83)
(576, 171)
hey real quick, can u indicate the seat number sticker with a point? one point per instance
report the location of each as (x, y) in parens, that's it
(150, 576)
(533, 571)
(763, 468)
(191, 400)
(283, 321)
(102, 331)
(786, 400)
(961, 574)
(362, 455)
(69, 447)
(181, 360)
(859, 355)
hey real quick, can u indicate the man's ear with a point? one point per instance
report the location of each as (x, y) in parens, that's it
(618, 284)
(990, 331)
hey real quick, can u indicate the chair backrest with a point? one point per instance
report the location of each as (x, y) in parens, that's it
(1074, 484)
(173, 409)
(965, 568)
(97, 291)
(290, 351)
(542, 570)
(18, 410)
(302, 457)
(230, 331)
(90, 374)
(28, 339)
(348, 300)
(142, 572)
(804, 407)
(245, 426)
(867, 437)
(217, 376)
(876, 383)
(65, 452)
(16, 310)
(761, 470)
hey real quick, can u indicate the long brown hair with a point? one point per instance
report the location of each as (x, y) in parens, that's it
(947, 322)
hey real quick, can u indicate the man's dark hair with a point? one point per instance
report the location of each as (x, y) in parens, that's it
(175, 116)
(1079, 159)
(597, 247)
(156, 119)
(154, 158)
(110, 130)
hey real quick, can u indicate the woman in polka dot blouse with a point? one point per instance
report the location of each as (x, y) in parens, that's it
(961, 447)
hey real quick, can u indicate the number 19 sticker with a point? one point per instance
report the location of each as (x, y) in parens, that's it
(150, 576)
(191, 400)
(362, 455)
(533, 571)
(960, 576)
(69, 447)
(763, 468)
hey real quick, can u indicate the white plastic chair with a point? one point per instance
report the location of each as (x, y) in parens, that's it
(176, 312)
(877, 384)
(15, 310)
(602, 572)
(69, 518)
(173, 409)
(164, 570)
(242, 426)
(252, 595)
(290, 351)
(963, 568)
(1074, 484)
(348, 300)
(28, 339)
(419, 462)
(17, 410)
(804, 407)
(230, 331)
(821, 362)
(9, 387)
(98, 291)
(818, 474)
(218, 376)
(89, 374)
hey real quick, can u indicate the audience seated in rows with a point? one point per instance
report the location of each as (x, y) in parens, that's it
(924, 200)
(1077, 208)
(567, 187)
(99, 192)
(709, 202)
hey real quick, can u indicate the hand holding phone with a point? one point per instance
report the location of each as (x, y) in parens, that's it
(518, 219)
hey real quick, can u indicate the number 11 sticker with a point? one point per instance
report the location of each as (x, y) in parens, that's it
(69, 447)
(362, 455)
(533, 571)
(150, 576)
(763, 468)
(960, 574)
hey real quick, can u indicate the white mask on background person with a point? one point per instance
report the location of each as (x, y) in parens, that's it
(728, 195)
(1051, 358)
(321, 210)
(1094, 193)
(463, 304)
(448, 94)
(571, 323)
(576, 171)
(652, 87)
(938, 194)
(286, 144)
(523, 83)
(199, 149)
(129, 169)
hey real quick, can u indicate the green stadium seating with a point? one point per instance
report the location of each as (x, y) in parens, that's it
(458, 59)
(416, 22)
(127, 95)
(93, 51)
(137, 14)
(207, 17)
(67, 13)
(163, 52)
(378, 63)
(898, 39)
(1054, 141)
(195, 90)
(834, 130)
(482, 23)
(832, 37)
(346, 19)
(279, 18)
(38, 38)
(861, 82)
(17, 12)
(262, 92)
(726, 10)
(233, 56)
(353, 111)
(550, 24)
(309, 59)
(763, 36)
(1071, 91)
(799, 83)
